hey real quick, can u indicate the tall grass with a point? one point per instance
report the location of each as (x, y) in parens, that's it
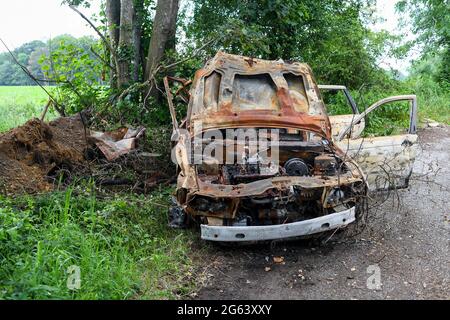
(122, 246)
(19, 104)
(433, 100)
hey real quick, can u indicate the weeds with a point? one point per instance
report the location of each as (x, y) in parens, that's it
(122, 246)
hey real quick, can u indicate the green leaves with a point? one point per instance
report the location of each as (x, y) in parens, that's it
(83, 3)
(72, 65)
(330, 35)
(431, 24)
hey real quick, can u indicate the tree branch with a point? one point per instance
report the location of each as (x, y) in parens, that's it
(160, 68)
(99, 57)
(107, 43)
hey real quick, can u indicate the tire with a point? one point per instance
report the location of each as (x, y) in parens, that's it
(177, 217)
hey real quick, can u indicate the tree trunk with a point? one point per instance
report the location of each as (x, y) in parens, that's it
(113, 16)
(137, 35)
(125, 48)
(164, 27)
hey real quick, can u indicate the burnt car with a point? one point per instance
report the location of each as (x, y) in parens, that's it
(259, 158)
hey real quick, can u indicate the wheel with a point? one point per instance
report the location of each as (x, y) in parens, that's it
(177, 217)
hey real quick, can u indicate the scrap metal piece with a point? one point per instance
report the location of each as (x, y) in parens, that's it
(116, 143)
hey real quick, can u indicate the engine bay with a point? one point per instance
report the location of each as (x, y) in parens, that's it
(285, 155)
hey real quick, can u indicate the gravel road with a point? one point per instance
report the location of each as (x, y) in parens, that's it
(407, 239)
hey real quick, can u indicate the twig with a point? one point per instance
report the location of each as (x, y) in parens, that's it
(160, 68)
(95, 28)
(135, 86)
(105, 41)
(196, 52)
(99, 57)
(49, 102)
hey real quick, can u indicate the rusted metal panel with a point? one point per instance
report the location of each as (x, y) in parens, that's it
(281, 113)
(278, 183)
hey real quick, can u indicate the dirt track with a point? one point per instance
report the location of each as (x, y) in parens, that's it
(409, 241)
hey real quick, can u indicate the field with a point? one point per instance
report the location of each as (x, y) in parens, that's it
(19, 104)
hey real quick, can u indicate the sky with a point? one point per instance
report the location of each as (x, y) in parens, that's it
(385, 9)
(22, 21)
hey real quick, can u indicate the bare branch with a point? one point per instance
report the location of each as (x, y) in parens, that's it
(152, 76)
(49, 102)
(196, 52)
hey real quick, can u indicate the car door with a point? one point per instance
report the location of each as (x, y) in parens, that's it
(386, 161)
(342, 120)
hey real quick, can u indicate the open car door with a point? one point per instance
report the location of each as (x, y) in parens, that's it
(387, 161)
(342, 121)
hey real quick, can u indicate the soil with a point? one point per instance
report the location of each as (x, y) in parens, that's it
(407, 238)
(32, 154)
(38, 156)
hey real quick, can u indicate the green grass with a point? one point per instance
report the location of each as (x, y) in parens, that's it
(19, 104)
(121, 244)
(433, 100)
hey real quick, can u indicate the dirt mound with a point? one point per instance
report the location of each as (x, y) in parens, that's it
(32, 155)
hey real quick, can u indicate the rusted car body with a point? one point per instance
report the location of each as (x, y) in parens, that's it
(258, 157)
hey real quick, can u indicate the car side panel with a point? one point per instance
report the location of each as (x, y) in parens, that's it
(387, 162)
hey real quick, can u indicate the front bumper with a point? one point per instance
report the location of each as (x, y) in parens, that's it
(280, 231)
